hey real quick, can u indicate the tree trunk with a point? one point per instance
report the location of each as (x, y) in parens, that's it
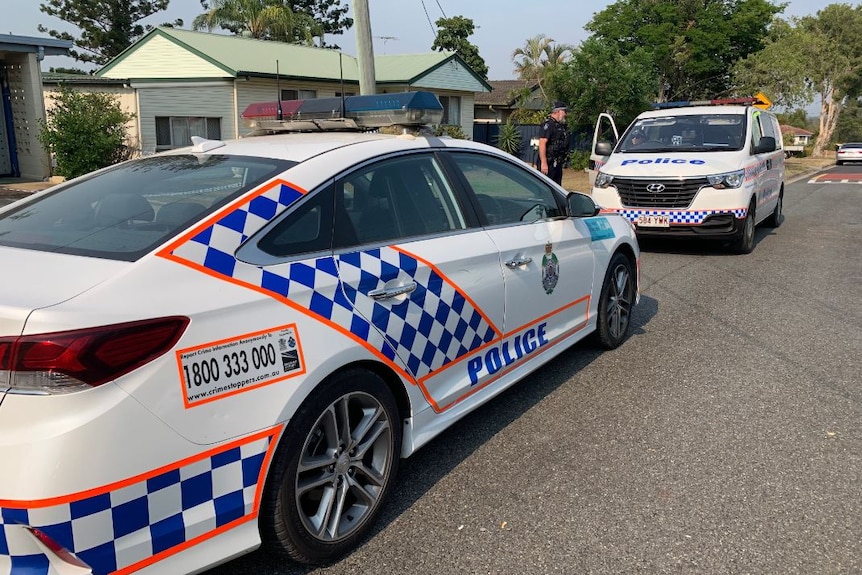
(829, 111)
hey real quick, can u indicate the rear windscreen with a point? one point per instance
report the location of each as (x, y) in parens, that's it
(129, 210)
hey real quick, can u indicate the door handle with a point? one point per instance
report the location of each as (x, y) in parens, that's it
(518, 262)
(387, 293)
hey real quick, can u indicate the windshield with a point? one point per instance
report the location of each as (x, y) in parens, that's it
(129, 210)
(700, 133)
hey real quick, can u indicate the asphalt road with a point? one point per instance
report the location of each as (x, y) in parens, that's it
(725, 436)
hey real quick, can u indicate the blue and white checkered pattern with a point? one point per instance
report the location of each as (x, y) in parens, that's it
(678, 216)
(433, 327)
(119, 527)
(214, 247)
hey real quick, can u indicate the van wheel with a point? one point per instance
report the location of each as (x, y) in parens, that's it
(743, 243)
(777, 216)
(333, 469)
(615, 303)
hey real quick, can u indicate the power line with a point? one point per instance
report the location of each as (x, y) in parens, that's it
(441, 8)
(433, 31)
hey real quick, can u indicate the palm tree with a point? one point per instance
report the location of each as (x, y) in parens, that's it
(264, 19)
(531, 59)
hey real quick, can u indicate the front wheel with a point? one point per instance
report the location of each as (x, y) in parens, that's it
(616, 302)
(743, 243)
(333, 470)
(776, 217)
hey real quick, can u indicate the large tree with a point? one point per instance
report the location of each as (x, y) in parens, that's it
(330, 14)
(692, 43)
(537, 59)
(262, 19)
(107, 26)
(452, 35)
(812, 56)
(598, 78)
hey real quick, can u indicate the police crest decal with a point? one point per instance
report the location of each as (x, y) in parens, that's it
(550, 269)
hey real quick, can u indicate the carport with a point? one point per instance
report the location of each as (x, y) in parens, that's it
(21, 105)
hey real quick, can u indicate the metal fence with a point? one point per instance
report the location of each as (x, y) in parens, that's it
(487, 134)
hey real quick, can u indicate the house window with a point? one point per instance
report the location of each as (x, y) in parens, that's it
(177, 132)
(451, 110)
(298, 94)
(346, 94)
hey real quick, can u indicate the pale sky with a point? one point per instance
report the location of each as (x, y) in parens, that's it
(402, 26)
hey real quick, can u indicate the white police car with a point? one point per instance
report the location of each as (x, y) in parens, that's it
(710, 169)
(235, 343)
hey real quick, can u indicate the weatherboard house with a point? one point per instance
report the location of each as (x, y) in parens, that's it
(180, 83)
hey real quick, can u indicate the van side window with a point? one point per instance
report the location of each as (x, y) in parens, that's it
(756, 130)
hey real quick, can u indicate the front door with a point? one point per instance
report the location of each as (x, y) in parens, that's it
(606, 132)
(546, 257)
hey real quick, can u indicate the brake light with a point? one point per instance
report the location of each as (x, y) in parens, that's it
(68, 361)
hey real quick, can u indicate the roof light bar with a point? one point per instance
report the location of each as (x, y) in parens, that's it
(357, 112)
(718, 102)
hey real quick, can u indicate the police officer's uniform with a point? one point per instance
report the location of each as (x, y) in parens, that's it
(556, 147)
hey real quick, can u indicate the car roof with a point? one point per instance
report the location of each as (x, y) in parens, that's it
(300, 146)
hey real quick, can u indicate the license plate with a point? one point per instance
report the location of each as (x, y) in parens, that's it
(653, 221)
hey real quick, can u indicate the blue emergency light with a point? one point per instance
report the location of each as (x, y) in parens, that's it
(351, 112)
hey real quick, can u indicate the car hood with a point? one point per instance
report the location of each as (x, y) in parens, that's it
(34, 279)
(671, 164)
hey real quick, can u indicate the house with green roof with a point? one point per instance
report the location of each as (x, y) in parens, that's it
(189, 83)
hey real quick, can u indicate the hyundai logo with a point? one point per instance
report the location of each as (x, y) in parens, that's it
(655, 188)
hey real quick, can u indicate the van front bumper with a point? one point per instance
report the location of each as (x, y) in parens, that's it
(707, 224)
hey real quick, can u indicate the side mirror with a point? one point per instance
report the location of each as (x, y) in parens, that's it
(604, 148)
(581, 206)
(767, 144)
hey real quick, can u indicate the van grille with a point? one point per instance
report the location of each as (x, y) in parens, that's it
(677, 193)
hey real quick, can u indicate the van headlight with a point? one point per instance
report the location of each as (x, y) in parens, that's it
(603, 180)
(725, 181)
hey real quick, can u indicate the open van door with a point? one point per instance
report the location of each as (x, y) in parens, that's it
(606, 133)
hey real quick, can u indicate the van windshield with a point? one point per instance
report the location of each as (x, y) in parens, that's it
(699, 133)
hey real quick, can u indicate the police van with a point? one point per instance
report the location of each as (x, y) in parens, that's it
(710, 169)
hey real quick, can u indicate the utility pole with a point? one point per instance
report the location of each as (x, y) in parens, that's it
(364, 47)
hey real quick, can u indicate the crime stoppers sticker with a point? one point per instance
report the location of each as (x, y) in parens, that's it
(218, 369)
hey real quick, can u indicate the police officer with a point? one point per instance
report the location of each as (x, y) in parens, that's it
(554, 143)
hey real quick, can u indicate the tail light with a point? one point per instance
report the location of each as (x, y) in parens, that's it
(69, 361)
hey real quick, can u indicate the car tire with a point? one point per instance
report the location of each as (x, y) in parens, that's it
(743, 243)
(333, 469)
(616, 302)
(777, 216)
(839, 163)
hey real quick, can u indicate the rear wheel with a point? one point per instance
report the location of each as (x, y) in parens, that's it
(333, 469)
(743, 243)
(616, 302)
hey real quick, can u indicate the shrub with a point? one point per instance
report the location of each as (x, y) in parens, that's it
(450, 130)
(509, 138)
(85, 132)
(579, 159)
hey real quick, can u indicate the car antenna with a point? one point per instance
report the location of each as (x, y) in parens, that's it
(279, 115)
(341, 79)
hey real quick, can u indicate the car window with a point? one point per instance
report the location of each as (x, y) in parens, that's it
(385, 202)
(127, 211)
(393, 200)
(506, 193)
